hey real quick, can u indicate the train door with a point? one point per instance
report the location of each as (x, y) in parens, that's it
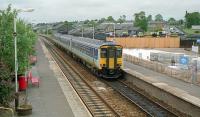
(111, 57)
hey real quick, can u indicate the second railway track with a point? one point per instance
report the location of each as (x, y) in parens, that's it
(151, 108)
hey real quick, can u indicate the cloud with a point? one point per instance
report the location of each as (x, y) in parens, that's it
(60, 10)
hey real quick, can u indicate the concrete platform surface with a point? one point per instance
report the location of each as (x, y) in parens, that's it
(186, 91)
(51, 98)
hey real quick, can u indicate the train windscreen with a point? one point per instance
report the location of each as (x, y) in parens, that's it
(103, 52)
(119, 53)
(111, 52)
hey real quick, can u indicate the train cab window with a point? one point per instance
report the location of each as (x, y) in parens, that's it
(119, 53)
(103, 52)
(111, 53)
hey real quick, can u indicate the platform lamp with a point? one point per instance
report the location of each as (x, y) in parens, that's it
(15, 45)
(93, 31)
(114, 30)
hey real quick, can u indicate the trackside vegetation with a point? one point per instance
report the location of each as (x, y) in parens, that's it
(25, 41)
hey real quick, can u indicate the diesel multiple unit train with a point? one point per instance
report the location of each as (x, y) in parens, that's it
(103, 58)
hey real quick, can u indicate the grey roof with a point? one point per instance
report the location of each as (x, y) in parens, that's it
(58, 25)
(156, 22)
(103, 26)
(123, 26)
(78, 31)
(129, 21)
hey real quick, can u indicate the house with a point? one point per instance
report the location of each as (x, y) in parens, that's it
(126, 29)
(195, 27)
(120, 29)
(156, 25)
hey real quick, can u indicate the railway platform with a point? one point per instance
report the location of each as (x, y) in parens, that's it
(54, 97)
(181, 90)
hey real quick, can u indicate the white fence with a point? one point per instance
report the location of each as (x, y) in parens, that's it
(184, 75)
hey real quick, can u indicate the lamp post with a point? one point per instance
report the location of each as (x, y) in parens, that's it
(82, 31)
(47, 29)
(114, 30)
(15, 45)
(93, 31)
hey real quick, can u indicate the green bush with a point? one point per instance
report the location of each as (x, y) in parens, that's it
(6, 87)
(25, 41)
(196, 31)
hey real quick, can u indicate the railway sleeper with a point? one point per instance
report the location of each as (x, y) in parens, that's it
(86, 95)
(107, 115)
(90, 102)
(103, 109)
(83, 89)
(102, 113)
(95, 99)
(99, 105)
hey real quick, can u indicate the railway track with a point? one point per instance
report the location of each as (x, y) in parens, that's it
(151, 108)
(97, 106)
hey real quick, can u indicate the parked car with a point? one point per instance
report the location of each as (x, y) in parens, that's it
(140, 34)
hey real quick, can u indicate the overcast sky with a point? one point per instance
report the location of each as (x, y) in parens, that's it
(60, 10)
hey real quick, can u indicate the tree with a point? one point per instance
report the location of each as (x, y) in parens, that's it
(102, 20)
(86, 21)
(122, 19)
(149, 18)
(192, 19)
(141, 20)
(68, 25)
(158, 17)
(110, 19)
(65, 28)
(172, 21)
(180, 22)
(92, 23)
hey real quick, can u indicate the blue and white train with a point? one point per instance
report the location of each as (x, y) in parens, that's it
(103, 58)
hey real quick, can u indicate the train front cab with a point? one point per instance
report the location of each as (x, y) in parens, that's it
(111, 61)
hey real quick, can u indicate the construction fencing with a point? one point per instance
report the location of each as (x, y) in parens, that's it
(184, 75)
(147, 42)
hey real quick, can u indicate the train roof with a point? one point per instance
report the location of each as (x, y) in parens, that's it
(86, 41)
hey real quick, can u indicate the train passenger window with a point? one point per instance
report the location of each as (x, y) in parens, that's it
(103, 52)
(91, 51)
(96, 53)
(119, 53)
(72, 44)
(87, 50)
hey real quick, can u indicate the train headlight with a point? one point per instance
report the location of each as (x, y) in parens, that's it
(102, 65)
